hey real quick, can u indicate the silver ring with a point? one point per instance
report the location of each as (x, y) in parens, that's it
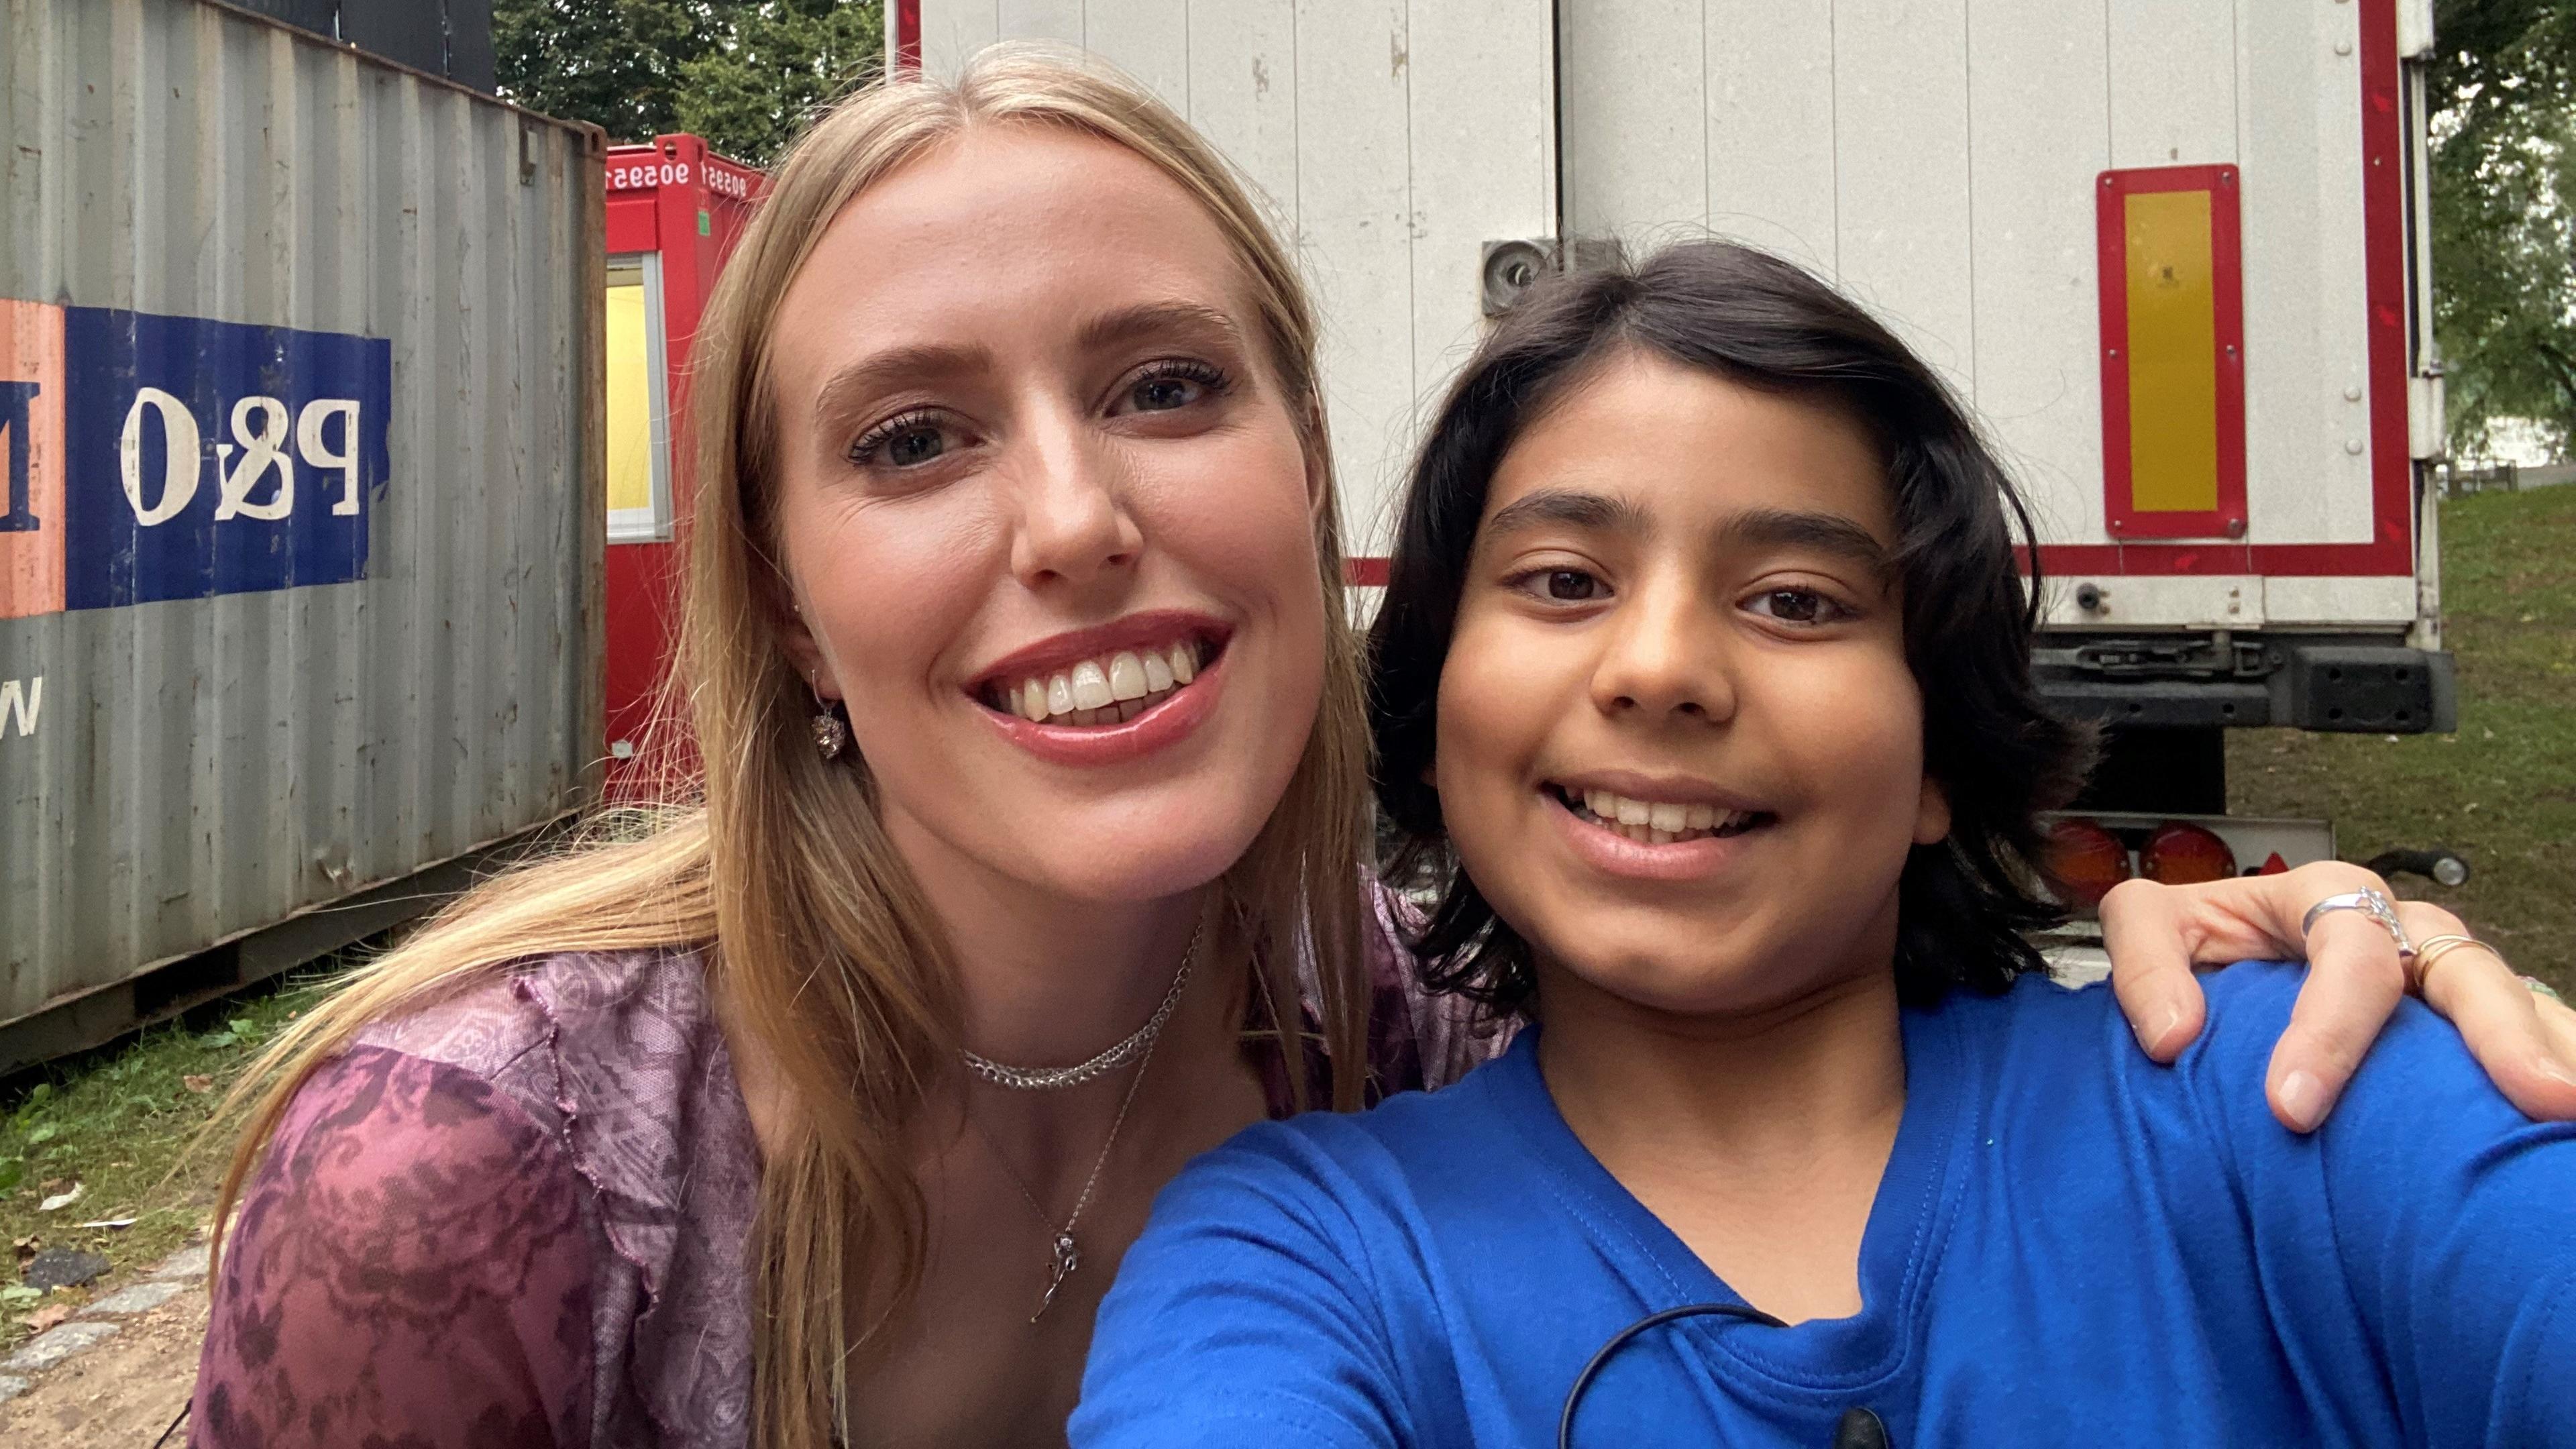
(2542, 988)
(2372, 903)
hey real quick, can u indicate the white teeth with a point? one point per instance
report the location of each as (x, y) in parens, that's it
(1657, 822)
(1090, 686)
(1102, 691)
(1126, 676)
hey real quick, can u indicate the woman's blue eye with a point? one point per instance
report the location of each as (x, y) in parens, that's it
(1572, 585)
(1162, 394)
(904, 442)
(914, 446)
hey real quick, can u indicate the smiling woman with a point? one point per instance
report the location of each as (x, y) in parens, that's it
(1027, 863)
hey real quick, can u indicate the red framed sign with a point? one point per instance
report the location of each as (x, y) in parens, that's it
(2173, 350)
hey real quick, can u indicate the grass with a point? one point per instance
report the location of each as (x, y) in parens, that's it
(117, 1123)
(2502, 790)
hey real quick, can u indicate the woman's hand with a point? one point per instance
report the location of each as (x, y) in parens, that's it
(2156, 934)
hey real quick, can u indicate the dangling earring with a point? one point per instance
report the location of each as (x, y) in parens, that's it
(830, 735)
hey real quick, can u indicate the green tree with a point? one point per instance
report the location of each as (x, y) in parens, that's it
(2502, 92)
(741, 73)
(773, 63)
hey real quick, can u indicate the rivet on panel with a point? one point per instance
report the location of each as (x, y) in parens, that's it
(2352, 446)
(2352, 394)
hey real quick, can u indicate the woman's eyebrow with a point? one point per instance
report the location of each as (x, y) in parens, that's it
(1832, 533)
(1150, 319)
(1567, 508)
(893, 368)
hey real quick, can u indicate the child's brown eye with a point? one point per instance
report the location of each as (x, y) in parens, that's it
(1795, 606)
(1573, 585)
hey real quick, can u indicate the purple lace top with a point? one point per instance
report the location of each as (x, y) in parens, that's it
(518, 1217)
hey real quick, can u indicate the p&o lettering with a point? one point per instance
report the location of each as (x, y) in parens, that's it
(259, 429)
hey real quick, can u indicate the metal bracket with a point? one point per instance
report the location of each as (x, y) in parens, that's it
(2414, 29)
(1510, 268)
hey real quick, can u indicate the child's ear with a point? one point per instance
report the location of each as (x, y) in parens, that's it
(1932, 814)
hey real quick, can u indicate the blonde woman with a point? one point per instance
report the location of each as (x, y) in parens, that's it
(1027, 867)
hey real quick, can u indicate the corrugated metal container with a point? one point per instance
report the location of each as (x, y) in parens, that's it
(299, 569)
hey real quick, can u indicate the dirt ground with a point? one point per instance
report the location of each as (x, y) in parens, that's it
(123, 1392)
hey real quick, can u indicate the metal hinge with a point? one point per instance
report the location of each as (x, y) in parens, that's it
(2427, 430)
(1513, 267)
(2216, 656)
(2414, 29)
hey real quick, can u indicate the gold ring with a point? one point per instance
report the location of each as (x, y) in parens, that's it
(2435, 948)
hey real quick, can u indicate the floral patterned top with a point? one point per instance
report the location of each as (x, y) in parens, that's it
(519, 1216)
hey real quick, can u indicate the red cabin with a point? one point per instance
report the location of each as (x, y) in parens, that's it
(675, 209)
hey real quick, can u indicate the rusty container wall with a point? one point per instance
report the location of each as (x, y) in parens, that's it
(225, 705)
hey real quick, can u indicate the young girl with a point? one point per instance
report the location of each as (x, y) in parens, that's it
(1705, 655)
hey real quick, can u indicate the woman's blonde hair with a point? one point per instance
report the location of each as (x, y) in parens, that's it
(815, 939)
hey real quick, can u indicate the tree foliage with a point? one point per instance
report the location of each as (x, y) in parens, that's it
(2502, 92)
(741, 73)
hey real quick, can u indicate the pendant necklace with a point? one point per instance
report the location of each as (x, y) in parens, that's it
(1065, 1254)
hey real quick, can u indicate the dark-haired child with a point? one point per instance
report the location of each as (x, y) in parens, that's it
(1703, 695)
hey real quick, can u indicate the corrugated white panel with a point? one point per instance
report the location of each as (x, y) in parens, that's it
(2173, 81)
(1483, 146)
(1633, 75)
(1354, 234)
(2307, 402)
(1770, 133)
(1243, 93)
(2038, 108)
(950, 32)
(1148, 39)
(1039, 20)
(1393, 138)
(1901, 133)
(208, 766)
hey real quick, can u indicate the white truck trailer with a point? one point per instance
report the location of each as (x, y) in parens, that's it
(2172, 252)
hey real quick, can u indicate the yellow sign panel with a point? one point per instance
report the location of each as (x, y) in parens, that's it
(2173, 353)
(630, 402)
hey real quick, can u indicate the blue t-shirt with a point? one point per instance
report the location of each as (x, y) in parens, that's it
(2071, 1244)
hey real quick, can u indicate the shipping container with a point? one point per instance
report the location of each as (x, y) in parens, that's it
(300, 392)
(675, 209)
(2172, 253)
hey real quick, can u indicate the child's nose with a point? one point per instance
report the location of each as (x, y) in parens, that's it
(1665, 656)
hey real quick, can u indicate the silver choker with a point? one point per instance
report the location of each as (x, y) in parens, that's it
(1053, 1079)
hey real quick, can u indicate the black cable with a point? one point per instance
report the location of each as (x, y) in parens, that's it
(173, 1429)
(1619, 1340)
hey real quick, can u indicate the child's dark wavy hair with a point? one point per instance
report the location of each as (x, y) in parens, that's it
(1998, 751)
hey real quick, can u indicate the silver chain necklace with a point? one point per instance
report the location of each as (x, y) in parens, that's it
(1052, 1079)
(1065, 1255)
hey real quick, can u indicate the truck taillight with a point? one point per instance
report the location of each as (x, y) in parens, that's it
(2085, 861)
(2178, 853)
